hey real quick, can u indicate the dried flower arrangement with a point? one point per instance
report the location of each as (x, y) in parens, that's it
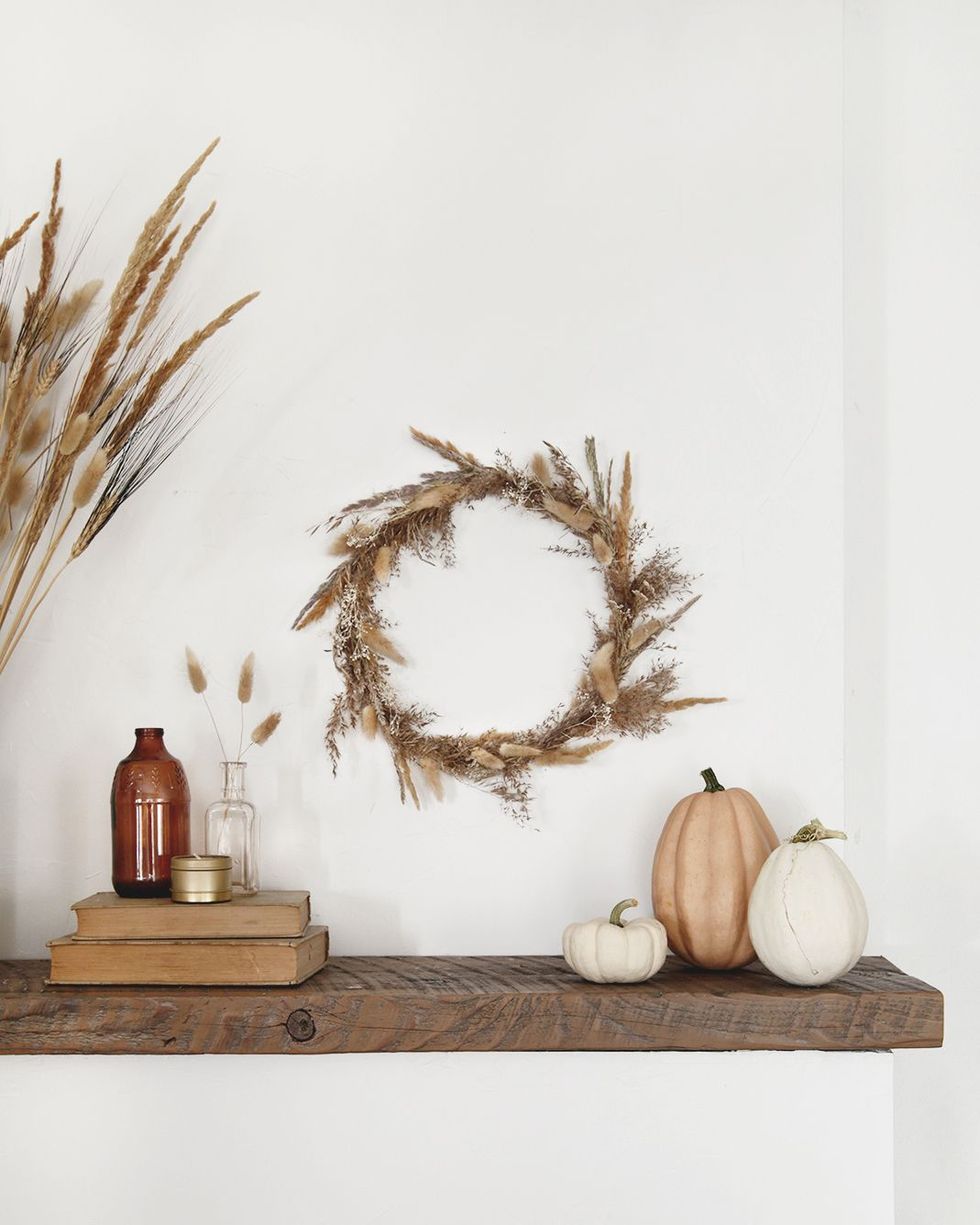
(246, 679)
(419, 518)
(132, 392)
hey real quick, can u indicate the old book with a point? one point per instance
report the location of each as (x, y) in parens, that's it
(188, 963)
(104, 916)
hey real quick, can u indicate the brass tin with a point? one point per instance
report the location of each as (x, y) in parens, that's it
(200, 878)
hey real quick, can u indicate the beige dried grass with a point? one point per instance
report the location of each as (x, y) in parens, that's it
(123, 396)
(419, 517)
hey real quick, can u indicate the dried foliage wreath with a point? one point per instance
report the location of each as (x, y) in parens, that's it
(419, 518)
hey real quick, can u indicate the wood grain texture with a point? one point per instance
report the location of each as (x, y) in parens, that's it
(359, 1004)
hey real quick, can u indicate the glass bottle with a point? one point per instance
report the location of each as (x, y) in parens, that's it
(150, 807)
(231, 827)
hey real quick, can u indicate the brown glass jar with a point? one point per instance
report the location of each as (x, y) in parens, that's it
(151, 806)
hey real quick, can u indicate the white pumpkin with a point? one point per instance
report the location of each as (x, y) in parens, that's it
(807, 917)
(611, 951)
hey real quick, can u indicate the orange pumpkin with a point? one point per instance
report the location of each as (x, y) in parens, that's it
(711, 850)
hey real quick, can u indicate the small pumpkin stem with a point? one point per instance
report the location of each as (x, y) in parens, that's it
(816, 831)
(711, 782)
(616, 917)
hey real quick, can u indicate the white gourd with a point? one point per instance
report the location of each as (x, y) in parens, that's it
(611, 951)
(807, 918)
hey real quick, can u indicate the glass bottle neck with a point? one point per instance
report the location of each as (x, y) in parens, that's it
(233, 780)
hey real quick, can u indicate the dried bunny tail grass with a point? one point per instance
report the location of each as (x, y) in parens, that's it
(262, 731)
(489, 761)
(558, 757)
(345, 542)
(339, 546)
(433, 498)
(584, 751)
(448, 450)
(6, 341)
(246, 678)
(74, 434)
(72, 310)
(369, 721)
(601, 668)
(35, 432)
(91, 478)
(603, 553)
(540, 469)
(644, 632)
(433, 777)
(687, 703)
(195, 672)
(7, 244)
(379, 642)
(508, 749)
(17, 486)
(578, 520)
(382, 564)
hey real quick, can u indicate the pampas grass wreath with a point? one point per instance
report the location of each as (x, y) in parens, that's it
(620, 693)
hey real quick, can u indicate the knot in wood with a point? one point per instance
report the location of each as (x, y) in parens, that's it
(300, 1025)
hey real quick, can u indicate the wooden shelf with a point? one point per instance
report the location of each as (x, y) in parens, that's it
(359, 1004)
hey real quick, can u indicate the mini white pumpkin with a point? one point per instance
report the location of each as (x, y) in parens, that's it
(807, 918)
(611, 951)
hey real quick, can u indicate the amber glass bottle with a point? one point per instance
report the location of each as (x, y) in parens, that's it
(151, 805)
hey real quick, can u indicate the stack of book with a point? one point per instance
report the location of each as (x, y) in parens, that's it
(265, 940)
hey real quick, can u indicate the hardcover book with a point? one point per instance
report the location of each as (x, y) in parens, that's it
(188, 963)
(270, 913)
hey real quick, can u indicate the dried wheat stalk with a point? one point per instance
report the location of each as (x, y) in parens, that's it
(92, 400)
(417, 518)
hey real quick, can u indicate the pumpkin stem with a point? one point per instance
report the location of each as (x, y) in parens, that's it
(616, 917)
(711, 783)
(816, 831)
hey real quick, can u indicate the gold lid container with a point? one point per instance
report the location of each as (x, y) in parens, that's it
(200, 878)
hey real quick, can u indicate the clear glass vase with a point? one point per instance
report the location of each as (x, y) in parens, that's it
(231, 827)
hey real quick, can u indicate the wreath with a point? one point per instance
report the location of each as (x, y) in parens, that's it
(610, 699)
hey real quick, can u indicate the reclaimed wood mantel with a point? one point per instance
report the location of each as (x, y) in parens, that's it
(361, 1004)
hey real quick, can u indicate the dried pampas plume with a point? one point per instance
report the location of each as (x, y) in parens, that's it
(616, 696)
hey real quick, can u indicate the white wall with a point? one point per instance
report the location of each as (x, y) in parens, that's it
(504, 222)
(912, 618)
(578, 1139)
